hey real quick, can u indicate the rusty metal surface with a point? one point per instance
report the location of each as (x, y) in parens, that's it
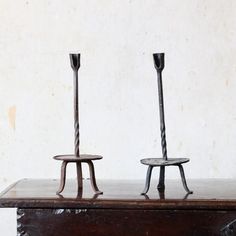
(77, 157)
(73, 158)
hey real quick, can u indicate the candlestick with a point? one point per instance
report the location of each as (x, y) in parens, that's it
(77, 157)
(159, 64)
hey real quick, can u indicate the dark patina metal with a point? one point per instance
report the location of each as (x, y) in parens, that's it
(159, 64)
(77, 157)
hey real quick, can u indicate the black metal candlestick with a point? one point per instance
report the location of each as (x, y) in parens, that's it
(77, 157)
(164, 161)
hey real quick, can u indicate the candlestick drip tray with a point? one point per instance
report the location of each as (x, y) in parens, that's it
(81, 158)
(161, 162)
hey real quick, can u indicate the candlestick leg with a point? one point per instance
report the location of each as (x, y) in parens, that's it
(79, 176)
(181, 169)
(161, 195)
(161, 184)
(148, 178)
(63, 177)
(92, 178)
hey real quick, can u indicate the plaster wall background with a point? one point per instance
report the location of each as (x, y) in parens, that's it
(118, 90)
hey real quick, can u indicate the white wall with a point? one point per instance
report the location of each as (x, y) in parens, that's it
(118, 91)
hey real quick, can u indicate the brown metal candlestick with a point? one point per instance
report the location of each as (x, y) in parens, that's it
(77, 157)
(164, 161)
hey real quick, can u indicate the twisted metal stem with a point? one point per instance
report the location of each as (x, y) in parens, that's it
(76, 114)
(77, 139)
(163, 142)
(75, 64)
(162, 116)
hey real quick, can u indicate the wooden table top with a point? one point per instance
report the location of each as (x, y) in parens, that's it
(41, 193)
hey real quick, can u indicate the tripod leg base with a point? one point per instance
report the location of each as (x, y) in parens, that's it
(161, 184)
(63, 177)
(79, 177)
(92, 178)
(148, 178)
(181, 169)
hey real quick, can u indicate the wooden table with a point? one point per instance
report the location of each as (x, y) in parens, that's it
(121, 210)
